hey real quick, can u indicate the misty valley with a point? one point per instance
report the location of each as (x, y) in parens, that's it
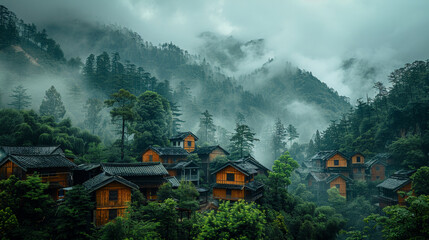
(107, 135)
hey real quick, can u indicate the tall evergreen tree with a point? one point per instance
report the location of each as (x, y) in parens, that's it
(93, 108)
(292, 133)
(176, 113)
(20, 98)
(242, 141)
(278, 138)
(207, 128)
(52, 105)
(122, 113)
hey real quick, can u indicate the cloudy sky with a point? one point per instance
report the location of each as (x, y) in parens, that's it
(313, 34)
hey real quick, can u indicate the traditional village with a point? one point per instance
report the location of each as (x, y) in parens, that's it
(214, 120)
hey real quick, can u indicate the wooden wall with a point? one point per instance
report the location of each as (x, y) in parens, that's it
(9, 168)
(239, 177)
(215, 153)
(155, 156)
(406, 188)
(185, 143)
(172, 172)
(354, 159)
(380, 173)
(103, 204)
(342, 161)
(342, 183)
(220, 193)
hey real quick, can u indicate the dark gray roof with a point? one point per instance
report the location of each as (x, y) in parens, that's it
(169, 151)
(325, 155)
(378, 158)
(40, 161)
(103, 179)
(208, 150)
(236, 166)
(247, 166)
(253, 161)
(318, 176)
(394, 183)
(180, 165)
(183, 135)
(334, 176)
(88, 166)
(33, 150)
(173, 181)
(134, 169)
(254, 185)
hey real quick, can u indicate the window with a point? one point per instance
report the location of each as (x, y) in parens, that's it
(337, 186)
(113, 213)
(357, 159)
(377, 168)
(378, 177)
(230, 176)
(174, 144)
(61, 193)
(113, 195)
(228, 193)
(150, 158)
(336, 162)
(189, 143)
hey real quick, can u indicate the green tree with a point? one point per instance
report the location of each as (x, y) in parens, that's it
(292, 133)
(73, 218)
(420, 181)
(207, 127)
(153, 123)
(8, 223)
(239, 220)
(52, 105)
(278, 138)
(20, 98)
(242, 141)
(122, 112)
(93, 108)
(187, 195)
(165, 191)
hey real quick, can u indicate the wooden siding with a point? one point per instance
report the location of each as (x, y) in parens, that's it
(150, 152)
(103, 204)
(215, 153)
(220, 193)
(172, 172)
(239, 177)
(342, 162)
(380, 173)
(354, 159)
(9, 168)
(406, 188)
(185, 143)
(342, 183)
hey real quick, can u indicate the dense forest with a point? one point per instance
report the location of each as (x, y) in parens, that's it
(121, 94)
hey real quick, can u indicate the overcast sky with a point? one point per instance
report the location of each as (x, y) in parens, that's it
(314, 35)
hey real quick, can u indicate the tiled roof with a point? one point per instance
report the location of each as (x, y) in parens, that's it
(253, 161)
(34, 150)
(183, 135)
(254, 185)
(88, 166)
(334, 176)
(103, 179)
(181, 165)
(173, 181)
(40, 161)
(247, 166)
(208, 150)
(134, 169)
(393, 183)
(325, 155)
(318, 176)
(170, 151)
(380, 158)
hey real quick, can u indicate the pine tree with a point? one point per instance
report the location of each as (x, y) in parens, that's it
(93, 108)
(242, 141)
(122, 104)
(278, 138)
(292, 133)
(20, 98)
(177, 122)
(52, 105)
(207, 128)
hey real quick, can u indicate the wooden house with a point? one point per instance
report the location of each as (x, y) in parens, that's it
(376, 167)
(207, 155)
(389, 189)
(166, 155)
(331, 161)
(235, 181)
(185, 171)
(185, 140)
(48, 162)
(148, 176)
(86, 171)
(357, 166)
(111, 195)
(320, 182)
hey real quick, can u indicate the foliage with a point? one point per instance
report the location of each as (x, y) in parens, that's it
(187, 195)
(52, 105)
(93, 108)
(73, 218)
(278, 138)
(123, 228)
(207, 127)
(420, 181)
(20, 98)
(242, 141)
(165, 191)
(237, 220)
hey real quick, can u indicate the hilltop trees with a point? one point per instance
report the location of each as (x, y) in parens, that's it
(20, 98)
(278, 138)
(122, 113)
(93, 108)
(242, 141)
(52, 105)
